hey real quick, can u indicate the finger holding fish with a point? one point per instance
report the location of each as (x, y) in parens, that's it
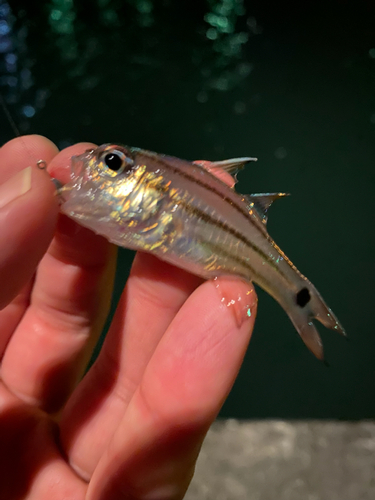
(154, 448)
(67, 306)
(27, 225)
(28, 215)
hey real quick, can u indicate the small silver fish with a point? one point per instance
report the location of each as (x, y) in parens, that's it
(184, 214)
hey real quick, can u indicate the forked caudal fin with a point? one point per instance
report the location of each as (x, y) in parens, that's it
(309, 305)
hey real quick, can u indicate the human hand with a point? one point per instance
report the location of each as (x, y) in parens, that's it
(133, 427)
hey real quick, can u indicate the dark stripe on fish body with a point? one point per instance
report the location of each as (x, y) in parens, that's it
(192, 210)
(220, 250)
(217, 249)
(234, 204)
(186, 175)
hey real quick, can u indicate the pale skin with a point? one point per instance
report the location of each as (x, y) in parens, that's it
(132, 428)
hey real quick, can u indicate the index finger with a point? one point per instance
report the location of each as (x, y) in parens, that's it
(69, 305)
(154, 448)
(28, 212)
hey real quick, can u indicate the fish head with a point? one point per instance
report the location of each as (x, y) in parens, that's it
(113, 191)
(102, 184)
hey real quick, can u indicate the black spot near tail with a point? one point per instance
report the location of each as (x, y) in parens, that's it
(303, 297)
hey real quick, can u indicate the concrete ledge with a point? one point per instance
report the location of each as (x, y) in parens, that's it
(277, 460)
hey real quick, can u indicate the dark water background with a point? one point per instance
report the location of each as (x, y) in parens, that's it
(291, 84)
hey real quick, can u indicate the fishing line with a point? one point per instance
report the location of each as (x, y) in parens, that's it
(9, 116)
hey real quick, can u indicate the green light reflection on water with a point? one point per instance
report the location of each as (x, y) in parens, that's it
(61, 19)
(62, 16)
(220, 22)
(145, 12)
(227, 41)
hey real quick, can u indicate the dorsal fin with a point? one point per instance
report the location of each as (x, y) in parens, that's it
(225, 170)
(262, 202)
(231, 167)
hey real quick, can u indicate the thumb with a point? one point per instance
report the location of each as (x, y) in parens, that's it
(28, 214)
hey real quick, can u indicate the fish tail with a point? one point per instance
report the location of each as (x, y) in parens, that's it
(309, 305)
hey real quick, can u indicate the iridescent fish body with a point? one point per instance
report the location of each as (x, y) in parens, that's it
(187, 216)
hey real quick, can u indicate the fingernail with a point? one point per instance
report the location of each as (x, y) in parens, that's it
(15, 187)
(163, 492)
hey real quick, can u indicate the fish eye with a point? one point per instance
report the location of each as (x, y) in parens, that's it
(115, 162)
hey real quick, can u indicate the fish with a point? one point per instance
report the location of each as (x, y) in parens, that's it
(186, 215)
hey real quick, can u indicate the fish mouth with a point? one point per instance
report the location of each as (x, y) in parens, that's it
(78, 163)
(77, 171)
(76, 177)
(76, 167)
(58, 184)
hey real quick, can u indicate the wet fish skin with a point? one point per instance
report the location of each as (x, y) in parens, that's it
(185, 215)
